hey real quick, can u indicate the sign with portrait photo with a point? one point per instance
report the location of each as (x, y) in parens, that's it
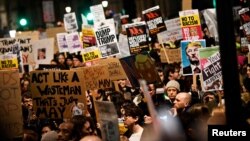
(43, 51)
(190, 56)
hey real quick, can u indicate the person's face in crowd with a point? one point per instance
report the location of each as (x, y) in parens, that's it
(161, 75)
(69, 62)
(53, 62)
(45, 129)
(129, 121)
(174, 76)
(65, 131)
(151, 89)
(122, 83)
(172, 92)
(61, 59)
(208, 98)
(28, 103)
(76, 62)
(157, 46)
(192, 53)
(248, 72)
(86, 128)
(26, 85)
(180, 102)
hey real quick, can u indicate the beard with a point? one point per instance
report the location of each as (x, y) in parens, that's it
(195, 62)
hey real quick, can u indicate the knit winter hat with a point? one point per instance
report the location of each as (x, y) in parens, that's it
(173, 83)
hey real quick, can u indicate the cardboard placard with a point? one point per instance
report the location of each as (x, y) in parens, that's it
(170, 55)
(115, 68)
(34, 35)
(10, 102)
(140, 66)
(51, 33)
(55, 93)
(96, 77)
(107, 117)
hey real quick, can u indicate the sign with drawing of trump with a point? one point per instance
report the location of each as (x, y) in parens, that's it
(190, 56)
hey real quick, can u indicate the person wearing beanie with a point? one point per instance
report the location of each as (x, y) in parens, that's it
(171, 89)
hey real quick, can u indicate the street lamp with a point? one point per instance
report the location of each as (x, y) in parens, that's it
(105, 3)
(12, 33)
(68, 9)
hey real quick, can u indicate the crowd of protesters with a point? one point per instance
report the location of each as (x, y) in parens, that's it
(183, 109)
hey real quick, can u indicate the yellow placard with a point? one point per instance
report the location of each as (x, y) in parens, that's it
(8, 62)
(92, 55)
(190, 20)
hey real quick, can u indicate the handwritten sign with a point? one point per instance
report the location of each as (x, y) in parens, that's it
(96, 77)
(115, 69)
(6, 45)
(10, 105)
(170, 55)
(56, 92)
(108, 119)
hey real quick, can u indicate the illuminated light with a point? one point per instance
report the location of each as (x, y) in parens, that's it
(90, 17)
(105, 3)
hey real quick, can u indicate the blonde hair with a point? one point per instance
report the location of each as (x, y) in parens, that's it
(194, 44)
